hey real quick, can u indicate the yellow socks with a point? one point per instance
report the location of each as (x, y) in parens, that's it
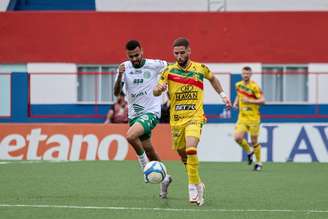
(245, 146)
(257, 152)
(192, 166)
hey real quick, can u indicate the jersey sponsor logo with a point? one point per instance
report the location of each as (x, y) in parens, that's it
(136, 72)
(186, 93)
(186, 88)
(177, 117)
(185, 107)
(186, 96)
(142, 93)
(138, 81)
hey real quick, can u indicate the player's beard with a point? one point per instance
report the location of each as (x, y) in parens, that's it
(138, 64)
(184, 63)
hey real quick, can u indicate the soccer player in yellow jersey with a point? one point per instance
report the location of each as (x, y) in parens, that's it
(184, 81)
(248, 101)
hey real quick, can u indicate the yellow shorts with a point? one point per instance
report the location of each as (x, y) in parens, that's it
(179, 133)
(252, 127)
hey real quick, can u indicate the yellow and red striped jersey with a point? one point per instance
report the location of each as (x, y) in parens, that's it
(248, 111)
(186, 91)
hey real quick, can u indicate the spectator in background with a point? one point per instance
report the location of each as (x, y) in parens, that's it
(118, 113)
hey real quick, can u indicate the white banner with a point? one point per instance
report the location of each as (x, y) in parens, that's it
(281, 142)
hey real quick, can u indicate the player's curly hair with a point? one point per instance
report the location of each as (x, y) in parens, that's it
(181, 41)
(132, 44)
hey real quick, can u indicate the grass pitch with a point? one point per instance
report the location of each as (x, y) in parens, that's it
(115, 189)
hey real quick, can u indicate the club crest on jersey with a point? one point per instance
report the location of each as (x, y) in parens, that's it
(146, 74)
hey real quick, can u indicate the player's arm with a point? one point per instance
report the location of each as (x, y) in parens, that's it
(162, 84)
(159, 89)
(259, 97)
(218, 88)
(259, 101)
(118, 82)
(236, 103)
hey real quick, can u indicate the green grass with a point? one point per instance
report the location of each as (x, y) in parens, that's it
(232, 191)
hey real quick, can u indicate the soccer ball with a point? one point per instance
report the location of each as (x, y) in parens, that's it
(154, 172)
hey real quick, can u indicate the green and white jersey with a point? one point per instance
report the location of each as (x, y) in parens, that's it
(139, 84)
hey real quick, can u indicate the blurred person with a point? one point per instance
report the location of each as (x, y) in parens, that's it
(248, 100)
(184, 82)
(139, 75)
(118, 113)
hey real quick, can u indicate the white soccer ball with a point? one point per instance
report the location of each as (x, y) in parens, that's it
(155, 172)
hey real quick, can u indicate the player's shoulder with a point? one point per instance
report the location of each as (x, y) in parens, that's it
(254, 84)
(200, 65)
(127, 64)
(156, 62)
(169, 67)
(238, 83)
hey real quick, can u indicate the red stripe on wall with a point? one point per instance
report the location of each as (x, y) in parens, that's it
(182, 80)
(98, 37)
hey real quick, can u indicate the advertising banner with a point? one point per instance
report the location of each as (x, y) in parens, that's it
(302, 142)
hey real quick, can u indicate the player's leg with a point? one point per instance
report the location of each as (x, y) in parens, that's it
(254, 132)
(149, 123)
(133, 134)
(150, 151)
(179, 144)
(240, 130)
(138, 129)
(183, 155)
(192, 135)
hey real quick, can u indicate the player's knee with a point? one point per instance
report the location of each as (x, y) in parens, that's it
(130, 138)
(191, 150)
(238, 139)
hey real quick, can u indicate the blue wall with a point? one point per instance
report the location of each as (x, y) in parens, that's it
(25, 5)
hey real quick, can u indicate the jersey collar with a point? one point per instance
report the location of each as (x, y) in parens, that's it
(186, 68)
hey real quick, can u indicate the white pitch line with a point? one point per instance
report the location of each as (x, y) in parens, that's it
(163, 209)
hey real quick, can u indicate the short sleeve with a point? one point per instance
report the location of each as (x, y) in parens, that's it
(207, 72)
(160, 65)
(163, 76)
(257, 92)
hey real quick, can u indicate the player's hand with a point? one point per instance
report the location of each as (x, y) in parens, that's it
(227, 102)
(246, 100)
(235, 106)
(162, 87)
(121, 69)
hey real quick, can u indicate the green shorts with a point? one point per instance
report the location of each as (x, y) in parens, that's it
(148, 122)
